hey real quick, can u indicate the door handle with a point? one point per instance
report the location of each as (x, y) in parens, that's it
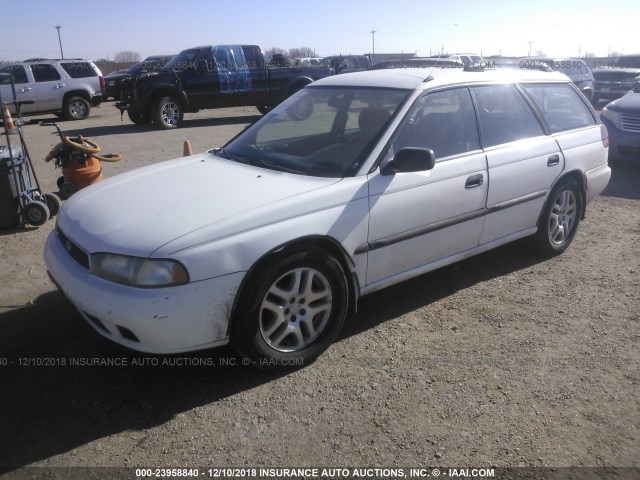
(474, 181)
(25, 89)
(60, 85)
(553, 160)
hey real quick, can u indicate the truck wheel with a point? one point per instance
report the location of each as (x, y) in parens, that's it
(264, 109)
(166, 113)
(137, 117)
(76, 108)
(302, 109)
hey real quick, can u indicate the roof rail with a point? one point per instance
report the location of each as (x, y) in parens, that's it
(51, 59)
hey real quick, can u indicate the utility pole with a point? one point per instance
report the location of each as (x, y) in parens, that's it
(373, 45)
(530, 43)
(58, 27)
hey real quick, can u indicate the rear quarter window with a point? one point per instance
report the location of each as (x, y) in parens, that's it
(79, 69)
(561, 107)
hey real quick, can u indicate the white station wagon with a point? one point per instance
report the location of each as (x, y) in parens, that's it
(355, 183)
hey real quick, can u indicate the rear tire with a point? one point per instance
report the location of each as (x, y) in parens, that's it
(291, 310)
(76, 108)
(559, 219)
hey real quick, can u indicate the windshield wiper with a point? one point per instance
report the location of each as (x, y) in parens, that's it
(254, 161)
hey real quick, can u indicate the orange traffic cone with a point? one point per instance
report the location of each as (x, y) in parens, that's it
(186, 149)
(8, 121)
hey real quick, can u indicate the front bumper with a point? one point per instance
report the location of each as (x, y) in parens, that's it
(610, 92)
(160, 320)
(622, 143)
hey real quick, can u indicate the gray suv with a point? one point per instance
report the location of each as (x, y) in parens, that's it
(68, 88)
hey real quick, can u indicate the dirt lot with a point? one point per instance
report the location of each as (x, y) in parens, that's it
(506, 359)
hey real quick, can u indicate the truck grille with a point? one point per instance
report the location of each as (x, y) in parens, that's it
(74, 250)
(630, 122)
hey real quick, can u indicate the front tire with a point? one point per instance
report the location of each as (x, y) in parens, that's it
(166, 113)
(264, 109)
(76, 108)
(292, 310)
(560, 218)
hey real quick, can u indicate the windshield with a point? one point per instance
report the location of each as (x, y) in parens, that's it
(322, 132)
(183, 60)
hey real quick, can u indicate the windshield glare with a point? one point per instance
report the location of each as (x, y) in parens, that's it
(323, 132)
(183, 60)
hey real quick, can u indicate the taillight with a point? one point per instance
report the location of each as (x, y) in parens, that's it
(103, 85)
(604, 135)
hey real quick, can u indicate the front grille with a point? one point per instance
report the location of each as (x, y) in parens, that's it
(630, 122)
(74, 250)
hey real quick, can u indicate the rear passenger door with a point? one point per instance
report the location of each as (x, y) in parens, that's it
(419, 218)
(49, 87)
(571, 121)
(523, 160)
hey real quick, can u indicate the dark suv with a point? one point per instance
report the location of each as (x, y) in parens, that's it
(614, 81)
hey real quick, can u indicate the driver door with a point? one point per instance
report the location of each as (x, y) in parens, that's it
(420, 219)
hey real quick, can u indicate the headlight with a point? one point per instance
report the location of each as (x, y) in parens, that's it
(138, 272)
(111, 83)
(612, 116)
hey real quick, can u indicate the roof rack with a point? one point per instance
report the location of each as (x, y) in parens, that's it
(51, 59)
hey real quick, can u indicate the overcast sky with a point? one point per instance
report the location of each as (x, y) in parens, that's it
(98, 29)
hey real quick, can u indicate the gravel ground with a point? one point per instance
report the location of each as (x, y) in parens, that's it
(505, 359)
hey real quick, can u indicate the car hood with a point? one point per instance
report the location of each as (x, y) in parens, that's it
(138, 212)
(630, 102)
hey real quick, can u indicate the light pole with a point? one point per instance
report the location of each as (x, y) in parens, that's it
(373, 45)
(530, 43)
(58, 27)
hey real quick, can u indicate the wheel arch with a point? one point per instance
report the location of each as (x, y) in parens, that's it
(581, 179)
(298, 84)
(76, 93)
(325, 243)
(179, 95)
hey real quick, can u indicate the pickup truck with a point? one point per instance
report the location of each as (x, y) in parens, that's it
(212, 76)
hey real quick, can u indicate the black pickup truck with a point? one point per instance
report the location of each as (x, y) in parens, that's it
(212, 76)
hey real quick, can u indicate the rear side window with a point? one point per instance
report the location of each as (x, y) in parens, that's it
(79, 69)
(560, 106)
(44, 72)
(504, 115)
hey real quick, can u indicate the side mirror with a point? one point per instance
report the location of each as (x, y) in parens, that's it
(410, 159)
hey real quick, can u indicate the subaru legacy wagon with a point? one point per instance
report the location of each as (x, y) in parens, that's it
(355, 183)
